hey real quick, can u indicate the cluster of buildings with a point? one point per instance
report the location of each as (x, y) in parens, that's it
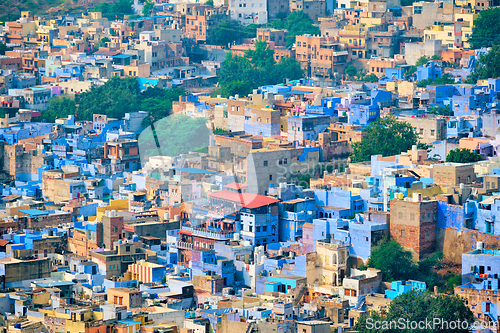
(271, 226)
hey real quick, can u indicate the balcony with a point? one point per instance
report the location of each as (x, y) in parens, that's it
(183, 245)
(223, 235)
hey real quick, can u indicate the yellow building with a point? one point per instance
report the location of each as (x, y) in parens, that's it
(355, 37)
(120, 204)
(455, 34)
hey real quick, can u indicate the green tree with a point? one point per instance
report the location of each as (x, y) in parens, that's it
(286, 68)
(416, 306)
(445, 79)
(209, 3)
(297, 23)
(409, 71)
(148, 8)
(462, 156)
(351, 71)
(394, 262)
(239, 75)
(158, 102)
(262, 56)
(219, 130)
(488, 65)
(60, 107)
(236, 68)
(3, 48)
(228, 32)
(452, 281)
(116, 97)
(436, 57)
(400, 134)
(115, 10)
(241, 88)
(487, 29)
(441, 110)
(422, 61)
(370, 78)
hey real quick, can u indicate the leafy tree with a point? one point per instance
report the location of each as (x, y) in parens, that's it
(209, 3)
(102, 43)
(261, 56)
(3, 48)
(158, 102)
(462, 156)
(422, 61)
(60, 107)
(148, 8)
(239, 75)
(351, 71)
(370, 78)
(452, 281)
(232, 88)
(419, 307)
(436, 57)
(445, 79)
(228, 32)
(395, 262)
(488, 65)
(297, 23)
(236, 68)
(219, 130)
(329, 168)
(286, 68)
(487, 29)
(115, 10)
(116, 97)
(400, 134)
(410, 71)
(441, 110)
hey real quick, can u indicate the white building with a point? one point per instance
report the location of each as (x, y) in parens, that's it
(248, 11)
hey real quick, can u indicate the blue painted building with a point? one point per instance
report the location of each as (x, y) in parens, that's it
(292, 216)
(429, 71)
(283, 283)
(400, 287)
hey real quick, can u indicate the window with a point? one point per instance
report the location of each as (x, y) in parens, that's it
(432, 132)
(250, 228)
(400, 215)
(412, 217)
(427, 234)
(265, 163)
(402, 234)
(270, 177)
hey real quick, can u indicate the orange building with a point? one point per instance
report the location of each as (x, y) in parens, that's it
(321, 56)
(124, 296)
(377, 66)
(202, 19)
(472, 144)
(452, 55)
(277, 36)
(351, 133)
